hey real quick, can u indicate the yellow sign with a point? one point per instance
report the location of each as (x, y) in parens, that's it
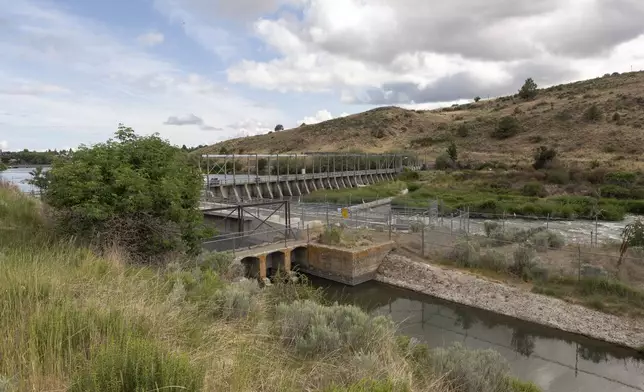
(345, 213)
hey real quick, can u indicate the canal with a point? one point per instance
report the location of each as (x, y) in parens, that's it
(554, 360)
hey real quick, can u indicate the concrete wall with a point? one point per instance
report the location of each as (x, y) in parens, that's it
(348, 266)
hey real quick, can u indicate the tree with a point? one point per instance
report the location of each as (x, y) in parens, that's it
(279, 127)
(139, 193)
(528, 90)
(632, 235)
(39, 178)
(477, 98)
(452, 152)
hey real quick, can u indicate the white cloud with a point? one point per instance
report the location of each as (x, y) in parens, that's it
(250, 127)
(385, 52)
(112, 82)
(320, 116)
(4, 145)
(151, 39)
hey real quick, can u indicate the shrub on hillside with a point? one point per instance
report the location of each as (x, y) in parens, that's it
(558, 176)
(139, 193)
(465, 254)
(593, 114)
(508, 126)
(543, 156)
(534, 189)
(409, 175)
(493, 260)
(463, 130)
(238, 300)
(490, 227)
(452, 152)
(524, 260)
(444, 162)
(312, 329)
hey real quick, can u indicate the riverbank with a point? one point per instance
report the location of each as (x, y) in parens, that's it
(466, 289)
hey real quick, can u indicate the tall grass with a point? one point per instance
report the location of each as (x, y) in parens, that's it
(77, 321)
(357, 195)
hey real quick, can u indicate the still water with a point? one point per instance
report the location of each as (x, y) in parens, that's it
(554, 360)
(19, 177)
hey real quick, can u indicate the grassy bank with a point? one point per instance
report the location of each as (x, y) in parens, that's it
(357, 195)
(74, 320)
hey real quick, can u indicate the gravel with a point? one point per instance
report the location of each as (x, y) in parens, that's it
(463, 288)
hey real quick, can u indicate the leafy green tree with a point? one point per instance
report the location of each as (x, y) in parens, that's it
(508, 127)
(39, 178)
(477, 98)
(139, 193)
(528, 90)
(3, 167)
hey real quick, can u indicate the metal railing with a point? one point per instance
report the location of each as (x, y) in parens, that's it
(241, 179)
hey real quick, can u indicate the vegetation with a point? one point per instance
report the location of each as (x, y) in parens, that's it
(528, 90)
(508, 126)
(543, 156)
(3, 167)
(83, 321)
(26, 157)
(349, 196)
(452, 152)
(137, 193)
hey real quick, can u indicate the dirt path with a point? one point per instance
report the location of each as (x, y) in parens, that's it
(463, 288)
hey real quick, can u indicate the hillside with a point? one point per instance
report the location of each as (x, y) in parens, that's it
(558, 117)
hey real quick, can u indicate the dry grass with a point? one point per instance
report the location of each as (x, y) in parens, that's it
(555, 118)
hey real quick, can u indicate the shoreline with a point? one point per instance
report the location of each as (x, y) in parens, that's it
(466, 289)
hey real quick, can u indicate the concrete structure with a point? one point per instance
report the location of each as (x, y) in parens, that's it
(348, 266)
(241, 177)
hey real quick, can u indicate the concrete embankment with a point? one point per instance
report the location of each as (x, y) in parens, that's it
(463, 288)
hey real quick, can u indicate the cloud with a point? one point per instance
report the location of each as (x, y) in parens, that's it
(250, 127)
(409, 51)
(320, 116)
(188, 119)
(32, 88)
(4, 145)
(48, 51)
(151, 38)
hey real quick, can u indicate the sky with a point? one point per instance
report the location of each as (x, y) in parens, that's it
(202, 71)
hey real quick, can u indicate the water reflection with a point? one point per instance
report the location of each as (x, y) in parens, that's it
(555, 360)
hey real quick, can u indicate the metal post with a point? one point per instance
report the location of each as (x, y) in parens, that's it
(422, 236)
(278, 169)
(390, 224)
(596, 229)
(548, 222)
(308, 234)
(234, 178)
(579, 267)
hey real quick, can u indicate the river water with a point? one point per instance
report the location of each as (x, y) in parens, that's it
(554, 360)
(19, 177)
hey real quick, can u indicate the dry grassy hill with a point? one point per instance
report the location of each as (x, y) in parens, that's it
(559, 117)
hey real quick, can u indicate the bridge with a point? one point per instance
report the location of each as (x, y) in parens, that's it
(261, 176)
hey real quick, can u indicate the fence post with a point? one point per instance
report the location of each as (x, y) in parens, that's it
(285, 236)
(579, 268)
(422, 236)
(548, 222)
(451, 224)
(308, 234)
(591, 239)
(327, 214)
(503, 220)
(389, 223)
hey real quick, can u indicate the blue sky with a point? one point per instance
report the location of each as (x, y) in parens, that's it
(200, 71)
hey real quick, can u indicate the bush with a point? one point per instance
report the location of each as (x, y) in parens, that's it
(558, 176)
(508, 126)
(528, 90)
(477, 98)
(490, 227)
(465, 254)
(452, 152)
(331, 235)
(524, 260)
(409, 175)
(315, 330)
(493, 260)
(543, 156)
(463, 130)
(534, 189)
(593, 114)
(444, 162)
(547, 239)
(138, 366)
(471, 370)
(238, 300)
(371, 386)
(139, 193)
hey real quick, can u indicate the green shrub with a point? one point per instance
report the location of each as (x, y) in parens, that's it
(315, 330)
(238, 300)
(139, 365)
(493, 260)
(219, 262)
(615, 191)
(534, 189)
(413, 186)
(544, 240)
(558, 176)
(444, 162)
(490, 227)
(409, 175)
(331, 235)
(543, 156)
(508, 126)
(521, 386)
(471, 370)
(452, 152)
(523, 262)
(465, 254)
(593, 114)
(463, 130)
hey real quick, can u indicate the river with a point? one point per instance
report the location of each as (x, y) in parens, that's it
(554, 360)
(19, 177)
